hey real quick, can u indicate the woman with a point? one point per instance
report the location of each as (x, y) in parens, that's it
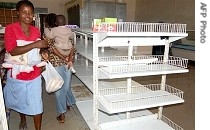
(23, 91)
(64, 97)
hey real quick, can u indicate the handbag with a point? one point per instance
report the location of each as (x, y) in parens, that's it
(53, 81)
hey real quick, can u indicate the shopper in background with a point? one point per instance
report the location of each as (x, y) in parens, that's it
(63, 41)
(23, 90)
(64, 97)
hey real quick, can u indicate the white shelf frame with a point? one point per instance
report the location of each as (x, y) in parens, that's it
(103, 39)
(3, 118)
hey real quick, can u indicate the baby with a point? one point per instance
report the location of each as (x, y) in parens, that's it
(63, 41)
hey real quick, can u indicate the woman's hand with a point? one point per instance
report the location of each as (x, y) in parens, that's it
(67, 59)
(18, 50)
(41, 44)
(69, 64)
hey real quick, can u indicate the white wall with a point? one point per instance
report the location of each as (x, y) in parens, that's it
(173, 11)
(58, 6)
(55, 6)
(131, 10)
(179, 11)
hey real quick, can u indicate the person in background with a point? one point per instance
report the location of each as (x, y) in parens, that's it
(63, 41)
(64, 96)
(23, 90)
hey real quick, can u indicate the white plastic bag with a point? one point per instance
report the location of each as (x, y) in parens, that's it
(53, 81)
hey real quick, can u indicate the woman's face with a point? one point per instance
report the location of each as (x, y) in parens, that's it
(25, 14)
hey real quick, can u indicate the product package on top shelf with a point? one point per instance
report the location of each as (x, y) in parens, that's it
(96, 24)
(111, 26)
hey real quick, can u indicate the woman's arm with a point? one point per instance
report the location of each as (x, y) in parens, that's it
(18, 50)
(55, 51)
(11, 45)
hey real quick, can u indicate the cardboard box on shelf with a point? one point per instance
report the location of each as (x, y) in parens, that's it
(111, 24)
(105, 19)
(96, 24)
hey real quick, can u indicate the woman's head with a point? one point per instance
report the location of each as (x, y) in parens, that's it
(50, 20)
(25, 11)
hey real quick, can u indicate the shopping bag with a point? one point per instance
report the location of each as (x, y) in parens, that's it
(53, 81)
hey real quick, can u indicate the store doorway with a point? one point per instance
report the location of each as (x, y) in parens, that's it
(74, 15)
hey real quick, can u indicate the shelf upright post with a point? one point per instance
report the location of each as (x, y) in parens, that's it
(86, 45)
(81, 37)
(163, 79)
(95, 81)
(3, 121)
(75, 42)
(130, 54)
(86, 39)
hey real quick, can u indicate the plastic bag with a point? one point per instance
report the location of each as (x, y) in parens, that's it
(53, 81)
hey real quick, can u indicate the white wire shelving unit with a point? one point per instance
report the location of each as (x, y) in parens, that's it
(3, 119)
(120, 103)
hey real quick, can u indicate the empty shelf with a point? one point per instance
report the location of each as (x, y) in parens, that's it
(149, 122)
(147, 96)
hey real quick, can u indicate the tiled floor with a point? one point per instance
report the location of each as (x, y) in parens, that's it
(181, 114)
